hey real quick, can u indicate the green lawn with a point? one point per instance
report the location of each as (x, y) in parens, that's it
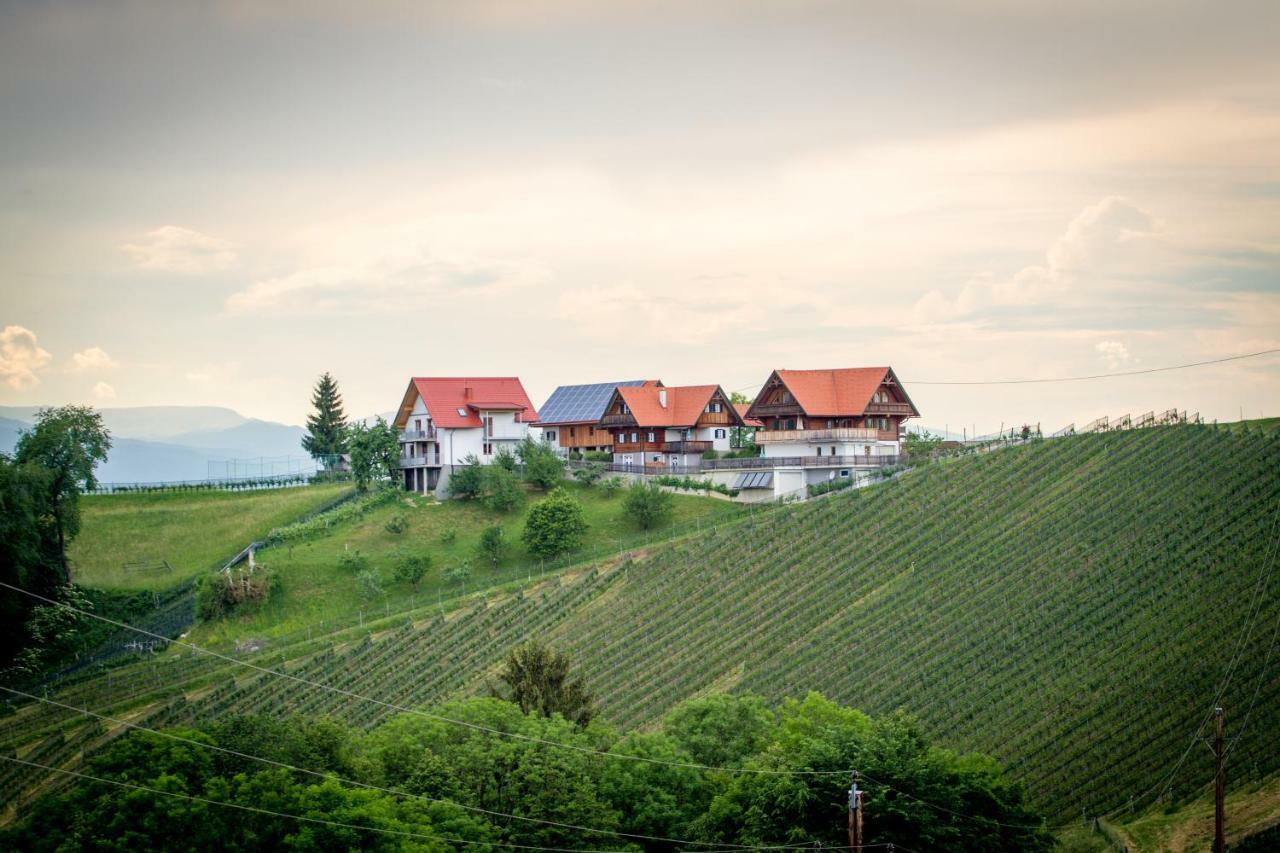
(192, 532)
(316, 589)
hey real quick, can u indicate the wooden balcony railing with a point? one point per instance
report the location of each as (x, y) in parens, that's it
(888, 409)
(800, 462)
(687, 446)
(617, 420)
(765, 436)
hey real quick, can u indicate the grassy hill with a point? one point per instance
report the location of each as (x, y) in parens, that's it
(1072, 607)
(191, 531)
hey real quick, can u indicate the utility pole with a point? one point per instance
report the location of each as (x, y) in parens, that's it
(1219, 785)
(855, 815)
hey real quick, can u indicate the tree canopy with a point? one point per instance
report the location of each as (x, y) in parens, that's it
(327, 425)
(375, 453)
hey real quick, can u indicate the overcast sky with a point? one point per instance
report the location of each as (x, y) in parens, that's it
(212, 203)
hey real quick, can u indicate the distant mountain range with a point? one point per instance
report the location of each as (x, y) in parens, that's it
(164, 443)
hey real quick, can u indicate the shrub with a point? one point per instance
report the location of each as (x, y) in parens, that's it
(221, 593)
(555, 526)
(611, 486)
(589, 473)
(647, 506)
(412, 568)
(503, 489)
(710, 453)
(459, 572)
(543, 467)
(353, 561)
(492, 544)
(598, 456)
(369, 583)
(505, 460)
(448, 536)
(467, 479)
(397, 524)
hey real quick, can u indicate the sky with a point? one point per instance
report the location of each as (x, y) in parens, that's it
(212, 203)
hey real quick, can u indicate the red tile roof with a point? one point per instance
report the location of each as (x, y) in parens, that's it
(840, 392)
(685, 404)
(754, 423)
(445, 396)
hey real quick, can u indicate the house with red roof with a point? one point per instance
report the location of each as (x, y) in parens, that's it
(658, 426)
(443, 420)
(843, 413)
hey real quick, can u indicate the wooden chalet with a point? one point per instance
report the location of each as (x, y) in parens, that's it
(656, 425)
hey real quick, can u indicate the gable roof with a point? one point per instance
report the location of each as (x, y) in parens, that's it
(685, 404)
(580, 404)
(741, 409)
(455, 402)
(838, 392)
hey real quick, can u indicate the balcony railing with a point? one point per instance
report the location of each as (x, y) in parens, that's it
(800, 462)
(420, 461)
(686, 446)
(765, 436)
(418, 435)
(617, 420)
(888, 409)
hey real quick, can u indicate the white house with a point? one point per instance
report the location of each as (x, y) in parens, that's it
(442, 420)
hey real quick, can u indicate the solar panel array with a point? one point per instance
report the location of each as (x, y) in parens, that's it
(578, 403)
(754, 480)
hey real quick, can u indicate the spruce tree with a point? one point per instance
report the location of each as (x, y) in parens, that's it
(327, 428)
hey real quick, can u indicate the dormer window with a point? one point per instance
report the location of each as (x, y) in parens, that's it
(462, 413)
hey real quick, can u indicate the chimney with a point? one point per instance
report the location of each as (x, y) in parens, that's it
(466, 392)
(662, 397)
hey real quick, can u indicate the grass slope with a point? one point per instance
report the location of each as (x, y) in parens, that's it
(1070, 606)
(315, 589)
(191, 531)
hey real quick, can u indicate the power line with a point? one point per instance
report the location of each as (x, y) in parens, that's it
(1047, 380)
(426, 714)
(368, 786)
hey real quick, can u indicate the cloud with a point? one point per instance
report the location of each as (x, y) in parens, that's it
(20, 357)
(103, 391)
(1114, 353)
(1113, 240)
(390, 283)
(93, 358)
(181, 250)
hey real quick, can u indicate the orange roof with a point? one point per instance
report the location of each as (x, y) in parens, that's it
(685, 404)
(455, 402)
(839, 392)
(741, 408)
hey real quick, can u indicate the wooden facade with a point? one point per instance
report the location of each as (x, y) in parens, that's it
(880, 419)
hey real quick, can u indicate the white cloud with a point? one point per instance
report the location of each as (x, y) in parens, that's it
(181, 250)
(103, 391)
(20, 357)
(93, 358)
(1109, 240)
(392, 282)
(1114, 353)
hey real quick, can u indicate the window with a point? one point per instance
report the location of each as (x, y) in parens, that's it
(833, 450)
(651, 438)
(635, 437)
(819, 451)
(844, 472)
(551, 435)
(411, 453)
(623, 410)
(784, 397)
(488, 449)
(831, 424)
(720, 433)
(417, 424)
(462, 413)
(572, 431)
(715, 408)
(488, 426)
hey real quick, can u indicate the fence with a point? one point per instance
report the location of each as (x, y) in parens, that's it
(275, 481)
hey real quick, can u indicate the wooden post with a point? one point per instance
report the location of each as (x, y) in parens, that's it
(855, 815)
(1219, 785)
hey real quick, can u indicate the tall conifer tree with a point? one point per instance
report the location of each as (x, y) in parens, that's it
(327, 428)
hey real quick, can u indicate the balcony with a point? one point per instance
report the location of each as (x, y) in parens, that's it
(420, 461)
(686, 446)
(617, 420)
(418, 435)
(800, 462)
(889, 409)
(796, 436)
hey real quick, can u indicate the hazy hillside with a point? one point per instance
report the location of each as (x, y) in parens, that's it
(1072, 607)
(165, 443)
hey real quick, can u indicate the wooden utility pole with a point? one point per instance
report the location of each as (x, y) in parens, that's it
(855, 815)
(1219, 785)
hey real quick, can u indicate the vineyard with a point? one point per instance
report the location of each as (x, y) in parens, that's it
(1073, 607)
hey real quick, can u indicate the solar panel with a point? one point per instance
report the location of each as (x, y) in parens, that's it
(578, 403)
(754, 480)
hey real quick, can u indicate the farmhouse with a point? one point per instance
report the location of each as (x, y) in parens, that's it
(653, 425)
(442, 420)
(570, 418)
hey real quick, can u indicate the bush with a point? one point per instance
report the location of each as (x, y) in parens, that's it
(412, 568)
(611, 486)
(219, 594)
(598, 456)
(589, 473)
(647, 506)
(543, 467)
(467, 479)
(505, 460)
(369, 582)
(492, 544)
(503, 489)
(353, 561)
(448, 536)
(555, 526)
(710, 453)
(458, 572)
(397, 524)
